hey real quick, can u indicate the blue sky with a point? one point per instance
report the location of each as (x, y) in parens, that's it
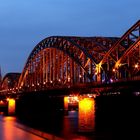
(24, 23)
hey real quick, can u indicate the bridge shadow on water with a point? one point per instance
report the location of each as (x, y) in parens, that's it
(116, 117)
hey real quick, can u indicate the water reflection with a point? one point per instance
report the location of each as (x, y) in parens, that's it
(11, 106)
(86, 115)
(9, 131)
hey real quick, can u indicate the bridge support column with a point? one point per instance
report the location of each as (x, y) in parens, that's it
(66, 105)
(3, 106)
(11, 106)
(40, 108)
(86, 120)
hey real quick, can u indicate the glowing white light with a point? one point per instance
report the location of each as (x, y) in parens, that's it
(68, 78)
(136, 65)
(113, 70)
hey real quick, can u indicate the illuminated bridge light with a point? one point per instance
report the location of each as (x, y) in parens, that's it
(73, 99)
(136, 66)
(111, 80)
(1, 102)
(113, 70)
(68, 79)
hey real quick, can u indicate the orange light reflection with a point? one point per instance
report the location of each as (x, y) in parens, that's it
(86, 114)
(11, 106)
(66, 102)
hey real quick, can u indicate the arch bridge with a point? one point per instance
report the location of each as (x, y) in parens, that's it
(65, 61)
(58, 61)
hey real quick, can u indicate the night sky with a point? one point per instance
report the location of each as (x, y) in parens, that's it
(24, 23)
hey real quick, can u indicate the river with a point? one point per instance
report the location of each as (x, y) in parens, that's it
(114, 117)
(9, 130)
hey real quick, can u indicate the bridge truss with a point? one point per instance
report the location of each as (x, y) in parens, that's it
(64, 61)
(123, 59)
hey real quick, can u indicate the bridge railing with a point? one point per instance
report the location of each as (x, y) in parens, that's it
(135, 78)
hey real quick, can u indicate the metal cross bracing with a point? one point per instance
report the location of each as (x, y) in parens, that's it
(63, 61)
(123, 58)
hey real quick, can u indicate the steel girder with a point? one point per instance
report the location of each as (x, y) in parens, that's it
(112, 60)
(129, 62)
(84, 51)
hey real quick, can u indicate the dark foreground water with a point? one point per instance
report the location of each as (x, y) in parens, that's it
(115, 117)
(9, 130)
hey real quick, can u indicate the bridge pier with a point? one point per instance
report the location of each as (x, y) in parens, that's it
(86, 117)
(66, 105)
(8, 106)
(11, 106)
(40, 109)
(3, 106)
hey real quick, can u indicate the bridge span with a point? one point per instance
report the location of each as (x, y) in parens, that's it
(65, 61)
(68, 71)
(79, 64)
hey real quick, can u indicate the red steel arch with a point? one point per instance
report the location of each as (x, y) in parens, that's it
(63, 61)
(129, 63)
(66, 60)
(122, 48)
